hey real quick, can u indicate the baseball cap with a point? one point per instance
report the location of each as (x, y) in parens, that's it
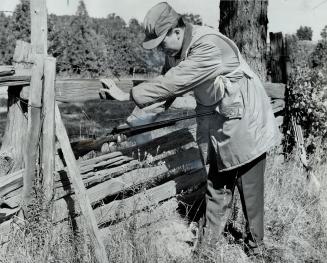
(157, 22)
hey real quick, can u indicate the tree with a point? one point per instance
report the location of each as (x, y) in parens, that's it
(4, 39)
(245, 22)
(13, 28)
(304, 33)
(78, 48)
(319, 55)
(323, 33)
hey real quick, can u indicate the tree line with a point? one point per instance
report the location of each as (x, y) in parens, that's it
(83, 45)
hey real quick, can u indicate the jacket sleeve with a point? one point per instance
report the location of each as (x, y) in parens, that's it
(201, 64)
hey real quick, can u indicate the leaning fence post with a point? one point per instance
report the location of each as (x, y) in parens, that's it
(33, 129)
(48, 128)
(39, 50)
(79, 188)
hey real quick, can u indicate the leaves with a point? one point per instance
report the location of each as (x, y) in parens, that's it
(307, 101)
(82, 45)
(304, 33)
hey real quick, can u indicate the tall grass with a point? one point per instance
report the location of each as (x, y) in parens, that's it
(295, 229)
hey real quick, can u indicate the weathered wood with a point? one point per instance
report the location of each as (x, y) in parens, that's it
(123, 208)
(183, 162)
(48, 128)
(81, 90)
(278, 106)
(6, 70)
(277, 61)
(39, 26)
(33, 130)
(14, 141)
(14, 181)
(275, 90)
(84, 202)
(85, 89)
(11, 182)
(119, 209)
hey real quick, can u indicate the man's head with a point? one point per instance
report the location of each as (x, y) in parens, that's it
(164, 28)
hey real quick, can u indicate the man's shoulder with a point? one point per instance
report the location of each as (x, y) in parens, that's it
(202, 34)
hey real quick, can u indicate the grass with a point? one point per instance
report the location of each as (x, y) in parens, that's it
(295, 229)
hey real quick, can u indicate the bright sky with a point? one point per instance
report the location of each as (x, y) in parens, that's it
(284, 15)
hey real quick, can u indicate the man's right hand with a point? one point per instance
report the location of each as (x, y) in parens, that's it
(110, 91)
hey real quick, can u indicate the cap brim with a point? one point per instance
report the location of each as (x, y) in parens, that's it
(153, 43)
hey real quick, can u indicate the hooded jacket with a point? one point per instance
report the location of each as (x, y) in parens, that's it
(243, 126)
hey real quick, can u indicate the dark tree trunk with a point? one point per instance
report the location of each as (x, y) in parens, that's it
(245, 22)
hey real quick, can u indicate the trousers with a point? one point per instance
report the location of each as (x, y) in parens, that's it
(249, 179)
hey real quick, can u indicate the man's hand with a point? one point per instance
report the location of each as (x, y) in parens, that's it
(110, 91)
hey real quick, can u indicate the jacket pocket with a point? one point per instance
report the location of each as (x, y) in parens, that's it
(231, 106)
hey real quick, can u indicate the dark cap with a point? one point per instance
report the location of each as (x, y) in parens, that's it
(157, 22)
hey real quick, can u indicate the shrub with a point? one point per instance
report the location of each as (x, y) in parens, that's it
(307, 101)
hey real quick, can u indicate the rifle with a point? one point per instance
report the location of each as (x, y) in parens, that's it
(299, 140)
(120, 133)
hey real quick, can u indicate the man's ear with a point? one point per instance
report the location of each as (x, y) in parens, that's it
(177, 31)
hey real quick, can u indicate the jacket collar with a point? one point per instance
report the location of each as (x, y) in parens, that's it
(187, 40)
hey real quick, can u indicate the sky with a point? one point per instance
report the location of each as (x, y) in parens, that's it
(284, 15)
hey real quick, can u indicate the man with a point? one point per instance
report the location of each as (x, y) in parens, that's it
(234, 139)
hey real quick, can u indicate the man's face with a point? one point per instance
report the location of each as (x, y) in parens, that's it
(172, 43)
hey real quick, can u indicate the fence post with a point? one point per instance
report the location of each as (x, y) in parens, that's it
(48, 127)
(39, 50)
(277, 62)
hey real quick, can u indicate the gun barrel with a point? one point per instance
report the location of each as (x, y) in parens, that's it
(134, 130)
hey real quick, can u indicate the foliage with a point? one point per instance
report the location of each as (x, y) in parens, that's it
(307, 100)
(319, 55)
(323, 33)
(84, 49)
(83, 45)
(13, 28)
(304, 33)
(299, 51)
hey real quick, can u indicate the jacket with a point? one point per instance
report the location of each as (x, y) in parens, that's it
(243, 126)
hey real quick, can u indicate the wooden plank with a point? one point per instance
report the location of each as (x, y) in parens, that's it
(84, 202)
(118, 209)
(33, 130)
(15, 80)
(278, 105)
(14, 181)
(6, 70)
(73, 90)
(11, 182)
(149, 176)
(14, 141)
(48, 128)
(79, 90)
(275, 90)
